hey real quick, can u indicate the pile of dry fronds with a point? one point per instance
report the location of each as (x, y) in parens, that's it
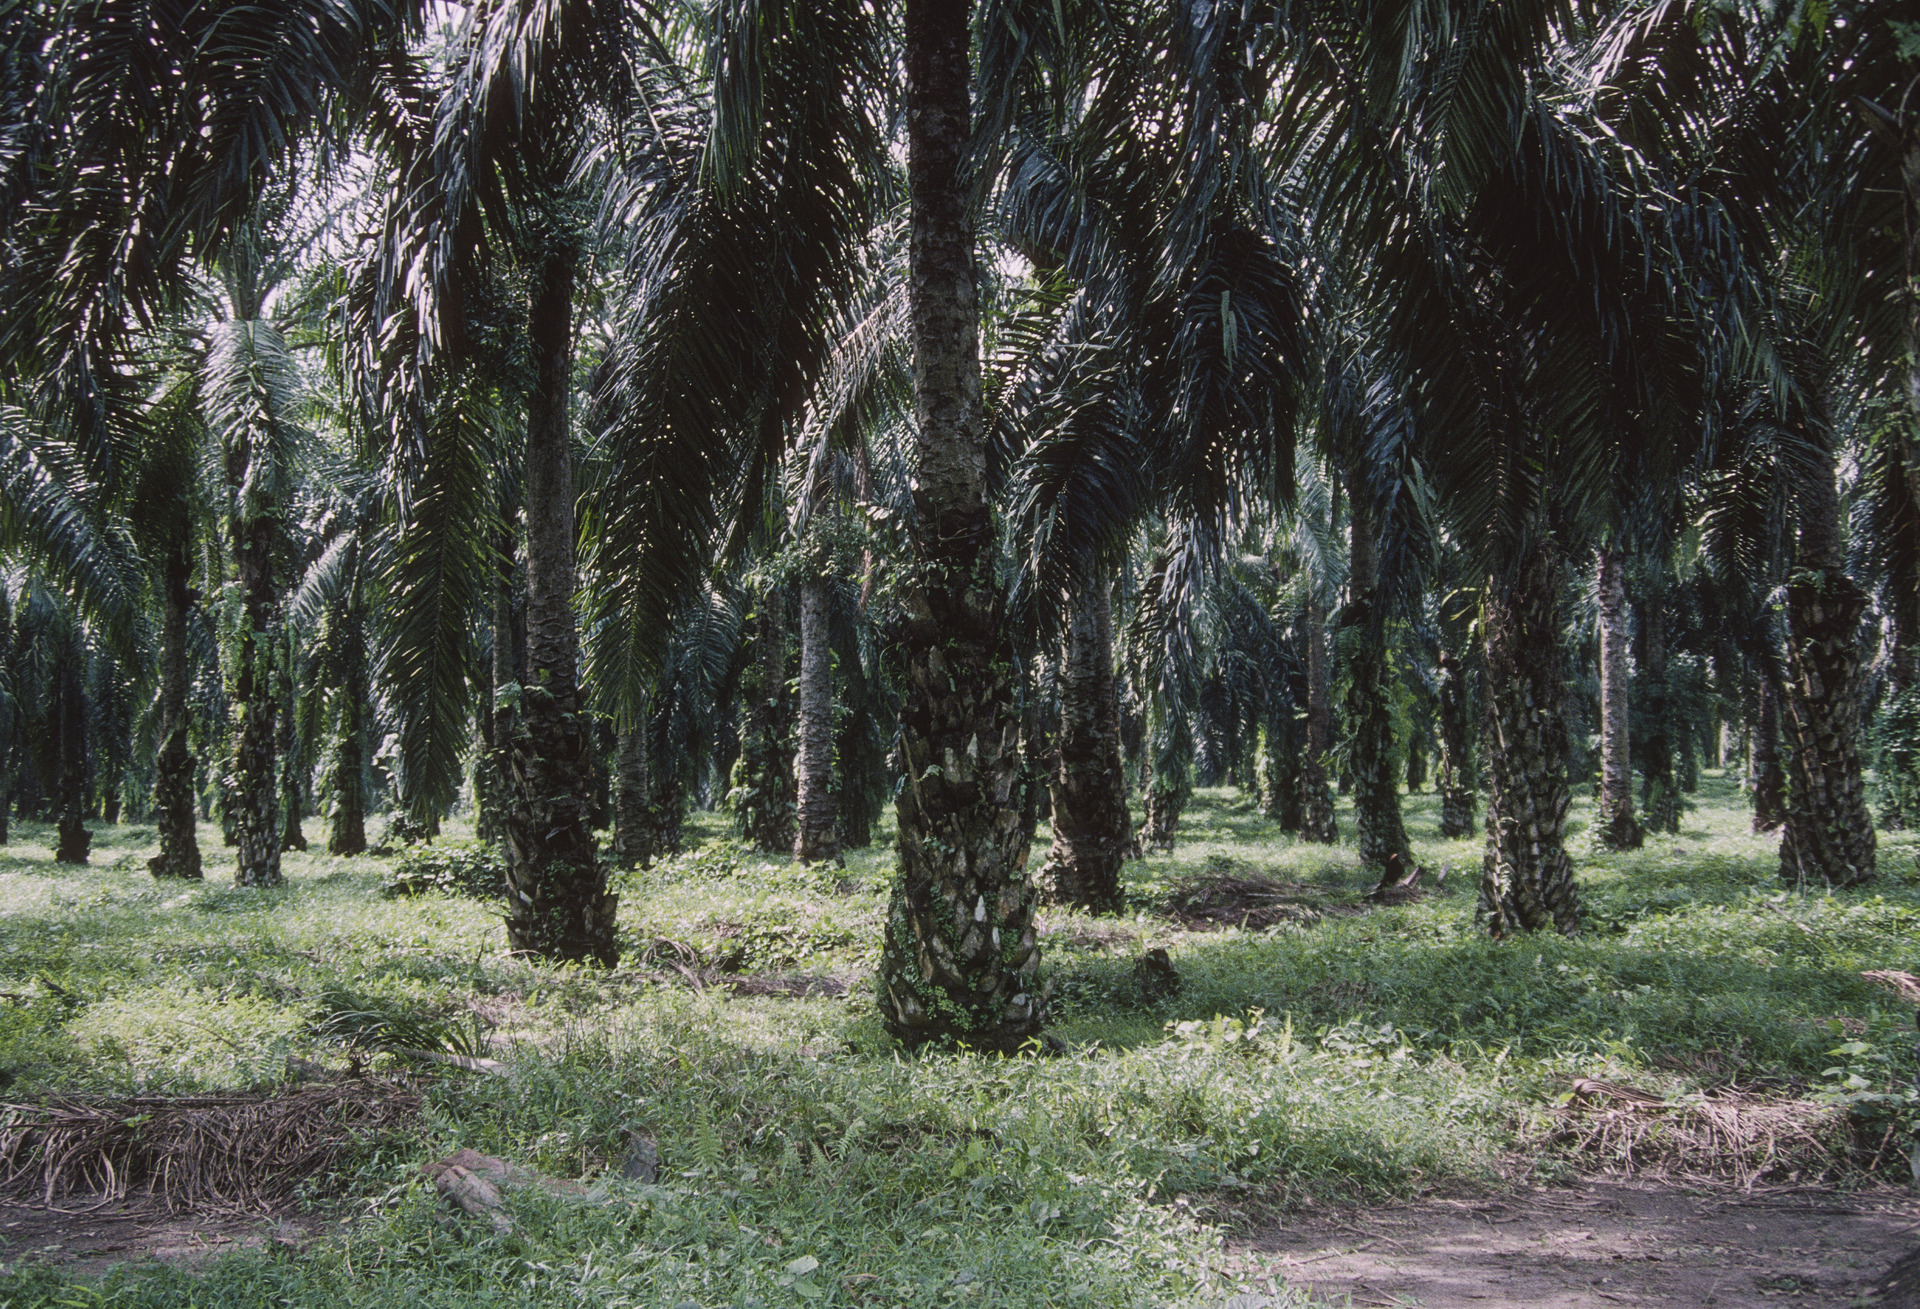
(1253, 901)
(209, 1153)
(1750, 1139)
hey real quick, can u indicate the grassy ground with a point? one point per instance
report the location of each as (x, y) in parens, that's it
(1363, 1055)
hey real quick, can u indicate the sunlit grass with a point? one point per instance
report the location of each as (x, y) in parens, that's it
(1364, 1055)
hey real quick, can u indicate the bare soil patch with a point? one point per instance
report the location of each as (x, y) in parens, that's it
(1593, 1244)
(89, 1241)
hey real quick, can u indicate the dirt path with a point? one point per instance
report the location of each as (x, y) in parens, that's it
(90, 1242)
(1593, 1245)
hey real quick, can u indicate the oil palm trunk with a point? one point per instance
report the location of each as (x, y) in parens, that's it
(1377, 820)
(558, 904)
(173, 797)
(960, 954)
(762, 797)
(1827, 838)
(347, 826)
(1455, 779)
(1615, 824)
(631, 844)
(253, 786)
(1092, 830)
(70, 708)
(1316, 797)
(1661, 791)
(1526, 879)
(1766, 776)
(816, 825)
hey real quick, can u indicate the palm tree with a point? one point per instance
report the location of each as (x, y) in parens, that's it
(1092, 830)
(1614, 822)
(960, 953)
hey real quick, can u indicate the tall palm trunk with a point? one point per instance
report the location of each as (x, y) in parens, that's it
(1092, 830)
(1279, 775)
(816, 835)
(71, 713)
(1316, 798)
(347, 828)
(253, 787)
(1827, 837)
(960, 953)
(1456, 781)
(558, 905)
(292, 788)
(1661, 790)
(1170, 779)
(496, 769)
(762, 796)
(173, 798)
(1377, 820)
(1765, 775)
(1614, 823)
(1526, 879)
(631, 833)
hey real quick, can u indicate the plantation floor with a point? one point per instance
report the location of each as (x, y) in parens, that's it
(134, 1231)
(1281, 1128)
(1596, 1243)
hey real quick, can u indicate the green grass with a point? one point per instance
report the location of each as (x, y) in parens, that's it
(808, 1162)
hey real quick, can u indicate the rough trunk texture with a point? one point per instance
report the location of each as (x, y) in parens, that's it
(1169, 781)
(74, 838)
(558, 906)
(253, 783)
(1526, 879)
(173, 795)
(1765, 774)
(960, 953)
(762, 795)
(1092, 830)
(1660, 795)
(632, 834)
(494, 770)
(347, 824)
(1279, 776)
(292, 791)
(1827, 837)
(816, 836)
(1456, 782)
(1615, 825)
(1316, 798)
(1378, 824)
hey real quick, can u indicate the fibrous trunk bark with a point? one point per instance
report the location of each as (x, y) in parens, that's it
(1279, 775)
(253, 784)
(1457, 783)
(173, 797)
(632, 834)
(762, 796)
(1092, 830)
(960, 956)
(558, 906)
(1615, 824)
(1660, 790)
(1316, 797)
(74, 838)
(1526, 879)
(1827, 838)
(496, 768)
(1377, 820)
(292, 791)
(347, 825)
(816, 835)
(1765, 774)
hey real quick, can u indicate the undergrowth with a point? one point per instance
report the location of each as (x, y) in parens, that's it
(1338, 1053)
